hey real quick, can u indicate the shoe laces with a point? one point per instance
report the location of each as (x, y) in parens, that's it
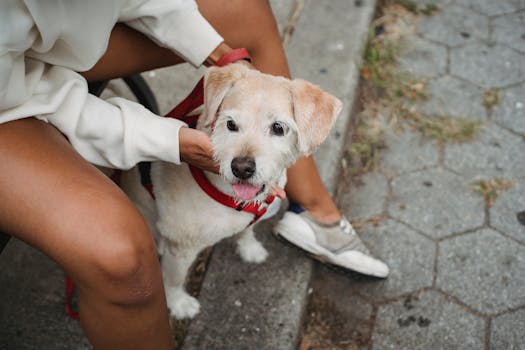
(355, 242)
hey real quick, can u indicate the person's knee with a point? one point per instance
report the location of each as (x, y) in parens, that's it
(124, 266)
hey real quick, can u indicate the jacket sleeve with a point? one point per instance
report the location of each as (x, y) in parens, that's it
(115, 133)
(174, 24)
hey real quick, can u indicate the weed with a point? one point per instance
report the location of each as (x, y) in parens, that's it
(490, 98)
(388, 95)
(490, 188)
(441, 128)
(415, 8)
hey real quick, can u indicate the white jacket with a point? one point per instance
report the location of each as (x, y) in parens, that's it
(43, 43)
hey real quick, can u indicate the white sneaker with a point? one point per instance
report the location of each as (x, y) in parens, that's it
(337, 244)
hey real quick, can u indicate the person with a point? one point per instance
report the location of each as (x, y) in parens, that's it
(52, 131)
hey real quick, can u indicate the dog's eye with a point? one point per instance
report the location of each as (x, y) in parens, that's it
(278, 129)
(230, 124)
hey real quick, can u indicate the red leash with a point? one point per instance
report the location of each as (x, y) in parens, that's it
(194, 100)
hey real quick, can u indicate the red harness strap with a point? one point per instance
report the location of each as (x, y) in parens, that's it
(253, 208)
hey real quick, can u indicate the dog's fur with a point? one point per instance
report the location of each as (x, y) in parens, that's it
(184, 218)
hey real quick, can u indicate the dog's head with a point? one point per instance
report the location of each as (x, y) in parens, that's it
(260, 124)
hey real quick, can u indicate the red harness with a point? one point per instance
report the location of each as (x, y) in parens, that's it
(194, 100)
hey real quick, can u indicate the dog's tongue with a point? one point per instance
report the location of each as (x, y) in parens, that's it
(245, 191)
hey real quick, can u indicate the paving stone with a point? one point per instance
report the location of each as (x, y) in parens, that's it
(32, 298)
(366, 196)
(407, 151)
(409, 255)
(487, 66)
(510, 30)
(455, 98)
(423, 59)
(427, 321)
(510, 112)
(436, 202)
(495, 152)
(506, 331)
(484, 270)
(492, 7)
(505, 213)
(454, 26)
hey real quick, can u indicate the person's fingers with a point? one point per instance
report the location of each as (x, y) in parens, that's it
(196, 149)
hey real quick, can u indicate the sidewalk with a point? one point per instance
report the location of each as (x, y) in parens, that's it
(446, 211)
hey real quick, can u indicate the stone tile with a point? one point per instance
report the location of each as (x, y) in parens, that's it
(483, 269)
(436, 202)
(495, 152)
(453, 97)
(423, 59)
(427, 321)
(407, 151)
(454, 26)
(510, 112)
(507, 331)
(32, 314)
(366, 196)
(409, 255)
(487, 66)
(510, 30)
(504, 213)
(492, 7)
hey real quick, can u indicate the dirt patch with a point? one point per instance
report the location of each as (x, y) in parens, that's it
(329, 328)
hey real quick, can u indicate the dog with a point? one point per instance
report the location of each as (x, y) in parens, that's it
(259, 125)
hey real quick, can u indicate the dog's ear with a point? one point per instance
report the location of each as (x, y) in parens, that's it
(314, 111)
(217, 82)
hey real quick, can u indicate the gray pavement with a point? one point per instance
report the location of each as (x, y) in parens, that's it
(457, 264)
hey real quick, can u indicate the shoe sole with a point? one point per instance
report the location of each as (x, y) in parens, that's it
(324, 262)
(319, 253)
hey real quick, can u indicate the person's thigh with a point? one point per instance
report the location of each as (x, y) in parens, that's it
(57, 202)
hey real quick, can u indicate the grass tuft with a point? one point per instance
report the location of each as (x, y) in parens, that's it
(491, 98)
(490, 188)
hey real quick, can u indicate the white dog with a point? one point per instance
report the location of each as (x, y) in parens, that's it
(259, 125)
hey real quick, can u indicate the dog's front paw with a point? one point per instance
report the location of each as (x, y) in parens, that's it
(181, 304)
(251, 251)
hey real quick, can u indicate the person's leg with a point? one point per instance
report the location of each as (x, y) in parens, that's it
(58, 203)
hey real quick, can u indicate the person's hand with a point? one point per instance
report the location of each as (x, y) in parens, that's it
(196, 149)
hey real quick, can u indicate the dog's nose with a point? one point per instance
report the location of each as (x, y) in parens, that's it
(243, 167)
